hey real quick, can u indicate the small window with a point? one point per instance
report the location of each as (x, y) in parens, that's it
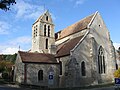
(83, 70)
(36, 32)
(48, 31)
(60, 68)
(40, 75)
(44, 30)
(46, 18)
(116, 66)
(56, 36)
(99, 25)
(46, 44)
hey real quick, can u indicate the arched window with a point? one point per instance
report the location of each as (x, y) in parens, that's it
(46, 18)
(46, 44)
(40, 75)
(48, 31)
(44, 30)
(101, 61)
(83, 69)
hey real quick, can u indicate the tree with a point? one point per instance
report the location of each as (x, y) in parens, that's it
(117, 73)
(2, 66)
(5, 4)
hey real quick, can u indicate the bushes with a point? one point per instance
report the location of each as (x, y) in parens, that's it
(5, 76)
(117, 73)
(6, 70)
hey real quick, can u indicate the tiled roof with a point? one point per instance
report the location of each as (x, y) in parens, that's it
(37, 57)
(64, 48)
(74, 28)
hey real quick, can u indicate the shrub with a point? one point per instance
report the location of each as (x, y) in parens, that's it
(5, 75)
(117, 73)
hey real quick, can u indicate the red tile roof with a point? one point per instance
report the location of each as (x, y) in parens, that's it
(74, 28)
(64, 48)
(37, 57)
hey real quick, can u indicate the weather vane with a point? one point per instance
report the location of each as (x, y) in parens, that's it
(44, 7)
(19, 47)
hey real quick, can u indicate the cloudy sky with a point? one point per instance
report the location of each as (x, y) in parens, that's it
(15, 25)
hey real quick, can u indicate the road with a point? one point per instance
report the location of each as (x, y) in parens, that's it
(6, 87)
(19, 88)
(103, 88)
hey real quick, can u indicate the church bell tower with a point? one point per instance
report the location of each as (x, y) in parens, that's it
(43, 34)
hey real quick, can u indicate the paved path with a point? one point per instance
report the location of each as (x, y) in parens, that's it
(16, 87)
(13, 87)
(102, 88)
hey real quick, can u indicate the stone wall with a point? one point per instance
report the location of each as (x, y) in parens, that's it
(27, 73)
(19, 70)
(87, 51)
(83, 53)
(32, 74)
(101, 35)
(64, 60)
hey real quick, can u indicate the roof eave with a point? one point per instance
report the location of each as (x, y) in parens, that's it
(91, 21)
(71, 34)
(80, 41)
(62, 55)
(40, 62)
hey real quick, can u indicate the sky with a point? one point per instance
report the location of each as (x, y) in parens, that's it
(16, 24)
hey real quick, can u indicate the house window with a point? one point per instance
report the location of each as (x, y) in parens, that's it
(46, 18)
(44, 30)
(46, 44)
(101, 61)
(83, 70)
(40, 75)
(48, 31)
(60, 68)
(36, 31)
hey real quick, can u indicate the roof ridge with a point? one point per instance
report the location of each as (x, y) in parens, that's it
(94, 15)
(35, 53)
(41, 16)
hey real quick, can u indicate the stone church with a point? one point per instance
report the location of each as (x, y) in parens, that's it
(82, 54)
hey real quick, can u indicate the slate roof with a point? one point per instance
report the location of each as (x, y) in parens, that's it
(74, 28)
(30, 57)
(64, 48)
